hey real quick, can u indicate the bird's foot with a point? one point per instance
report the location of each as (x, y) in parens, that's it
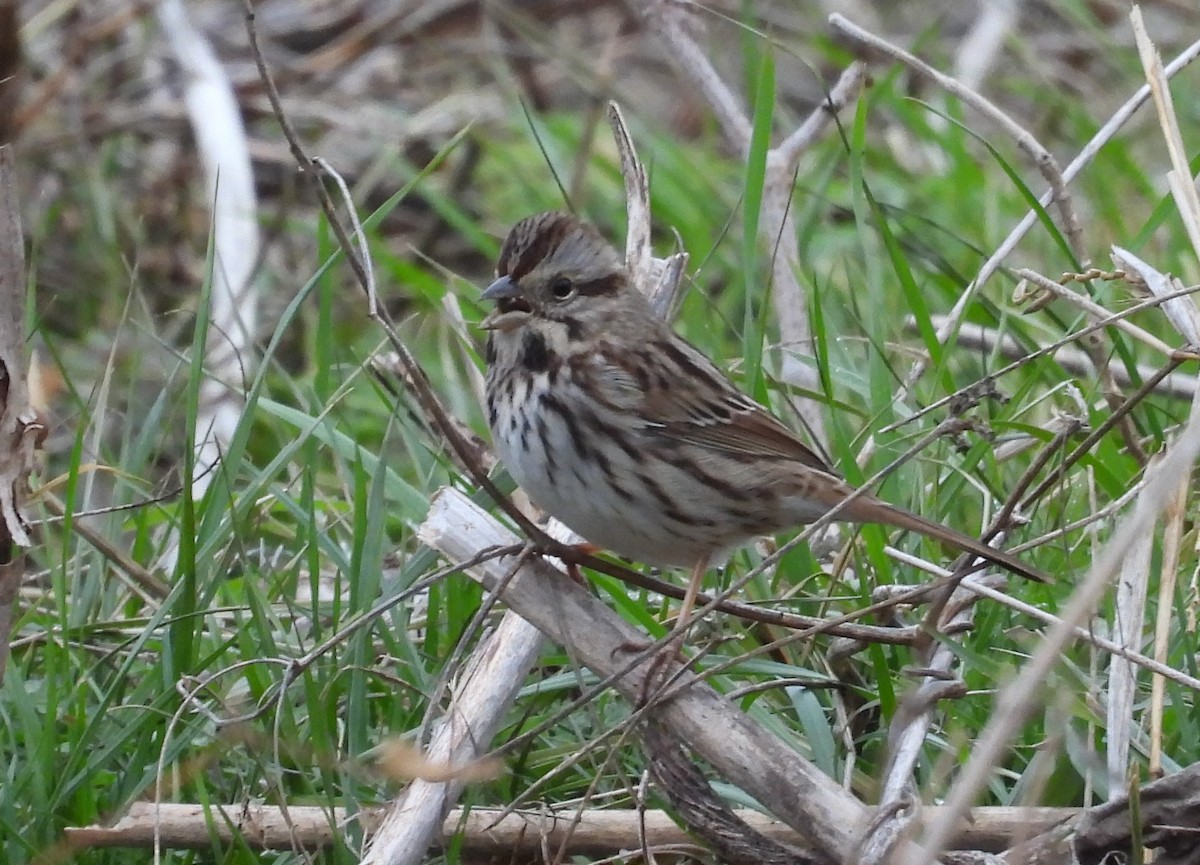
(578, 550)
(658, 668)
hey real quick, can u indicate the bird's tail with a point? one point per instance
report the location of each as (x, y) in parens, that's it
(876, 511)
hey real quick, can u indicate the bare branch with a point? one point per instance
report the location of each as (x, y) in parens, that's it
(594, 832)
(224, 151)
(737, 747)
(1014, 703)
(1026, 141)
(670, 23)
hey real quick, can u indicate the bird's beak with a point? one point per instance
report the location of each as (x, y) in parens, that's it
(501, 288)
(511, 309)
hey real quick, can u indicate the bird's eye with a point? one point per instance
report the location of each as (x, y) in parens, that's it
(562, 288)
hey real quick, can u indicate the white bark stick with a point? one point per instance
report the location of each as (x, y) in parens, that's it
(737, 747)
(414, 821)
(229, 181)
(593, 832)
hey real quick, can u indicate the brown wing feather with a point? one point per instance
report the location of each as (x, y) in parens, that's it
(690, 400)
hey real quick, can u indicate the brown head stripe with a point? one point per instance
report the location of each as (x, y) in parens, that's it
(531, 240)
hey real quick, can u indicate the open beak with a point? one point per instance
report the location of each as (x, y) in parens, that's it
(511, 307)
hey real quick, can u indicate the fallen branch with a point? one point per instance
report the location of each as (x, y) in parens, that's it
(739, 749)
(593, 832)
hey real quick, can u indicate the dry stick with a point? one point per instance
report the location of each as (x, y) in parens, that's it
(487, 688)
(709, 818)
(220, 138)
(988, 340)
(989, 267)
(736, 746)
(1093, 309)
(484, 830)
(1025, 140)
(1016, 702)
(822, 626)
(666, 19)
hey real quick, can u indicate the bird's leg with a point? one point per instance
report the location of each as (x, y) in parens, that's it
(683, 623)
(673, 650)
(584, 549)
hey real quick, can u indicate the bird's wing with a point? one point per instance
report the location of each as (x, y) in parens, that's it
(679, 393)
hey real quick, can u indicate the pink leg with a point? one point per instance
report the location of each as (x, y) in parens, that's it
(689, 599)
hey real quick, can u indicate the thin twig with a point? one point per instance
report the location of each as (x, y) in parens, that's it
(989, 340)
(1014, 704)
(1091, 327)
(1045, 162)
(994, 262)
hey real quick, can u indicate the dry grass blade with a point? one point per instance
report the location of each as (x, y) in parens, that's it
(1183, 187)
(1128, 629)
(1014, 704)
(1041, 157)
(1180, 310)
(1168, 580)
